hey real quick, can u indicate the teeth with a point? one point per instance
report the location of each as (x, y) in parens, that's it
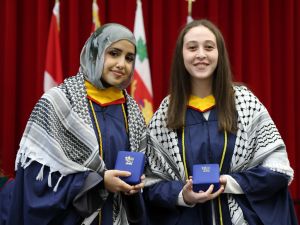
(201, 66)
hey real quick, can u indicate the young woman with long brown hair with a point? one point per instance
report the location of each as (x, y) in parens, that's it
(207, 119)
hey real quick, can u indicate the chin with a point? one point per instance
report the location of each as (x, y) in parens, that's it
(202, 76)
(116, 83)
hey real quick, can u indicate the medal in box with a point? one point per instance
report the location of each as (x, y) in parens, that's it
(204, 175)
(133, 162)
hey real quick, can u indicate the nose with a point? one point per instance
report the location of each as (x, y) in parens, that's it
(201, 54)
(121, 63)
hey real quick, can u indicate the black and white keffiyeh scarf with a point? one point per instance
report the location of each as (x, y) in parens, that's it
(60, 135)
(258, 142)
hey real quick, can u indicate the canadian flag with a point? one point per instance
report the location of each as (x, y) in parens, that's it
(53, 74)
(141, 86)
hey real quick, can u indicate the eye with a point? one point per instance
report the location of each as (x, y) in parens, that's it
(130, 58)
(209, 47)
(192, 48)
(114, 52)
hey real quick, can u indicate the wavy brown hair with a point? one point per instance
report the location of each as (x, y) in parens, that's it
(222, 87)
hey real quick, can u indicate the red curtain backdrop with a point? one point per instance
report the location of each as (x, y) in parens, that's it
(262, 37)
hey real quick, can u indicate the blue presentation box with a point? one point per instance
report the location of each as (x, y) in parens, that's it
(204, 175)
(134, 162)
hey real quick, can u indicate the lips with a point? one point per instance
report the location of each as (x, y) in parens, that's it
(201, 65)
(118, 73)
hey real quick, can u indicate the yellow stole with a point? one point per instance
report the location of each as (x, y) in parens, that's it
(201, 104)
(104, 97)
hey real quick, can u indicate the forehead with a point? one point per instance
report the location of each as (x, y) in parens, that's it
(199, 33)
(123, 45)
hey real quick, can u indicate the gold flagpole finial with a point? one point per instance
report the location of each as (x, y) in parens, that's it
(190, 2)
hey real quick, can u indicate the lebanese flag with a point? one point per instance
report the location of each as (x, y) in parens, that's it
(95, 12)
(53, 74)
(141, 86)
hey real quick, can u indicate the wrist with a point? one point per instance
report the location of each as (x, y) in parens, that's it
(185, 199)
(104, 179)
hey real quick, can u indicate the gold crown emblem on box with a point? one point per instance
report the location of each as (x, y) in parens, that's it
(205, 169)
(129, 160)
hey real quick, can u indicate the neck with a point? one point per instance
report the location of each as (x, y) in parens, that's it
(201, 88)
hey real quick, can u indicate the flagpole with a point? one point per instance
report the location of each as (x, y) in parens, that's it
(95, 14)
(58, 13)
(190, 6)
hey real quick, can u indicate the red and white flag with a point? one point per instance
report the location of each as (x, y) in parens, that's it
(53, 74)
(96, 20)
(141, 86)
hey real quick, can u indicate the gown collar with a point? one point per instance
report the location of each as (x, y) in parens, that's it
(201, 104)
(104, 97)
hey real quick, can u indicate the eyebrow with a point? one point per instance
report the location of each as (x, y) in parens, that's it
(196, 42)
(211, 41)
(114, 48)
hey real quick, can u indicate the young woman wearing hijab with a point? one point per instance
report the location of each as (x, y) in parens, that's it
(65, 164)
(208, 119)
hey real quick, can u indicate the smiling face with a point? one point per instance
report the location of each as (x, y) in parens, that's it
(200, 53)
(118, 63)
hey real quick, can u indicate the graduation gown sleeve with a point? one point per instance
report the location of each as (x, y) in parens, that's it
(34, 202)
(266, 199)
